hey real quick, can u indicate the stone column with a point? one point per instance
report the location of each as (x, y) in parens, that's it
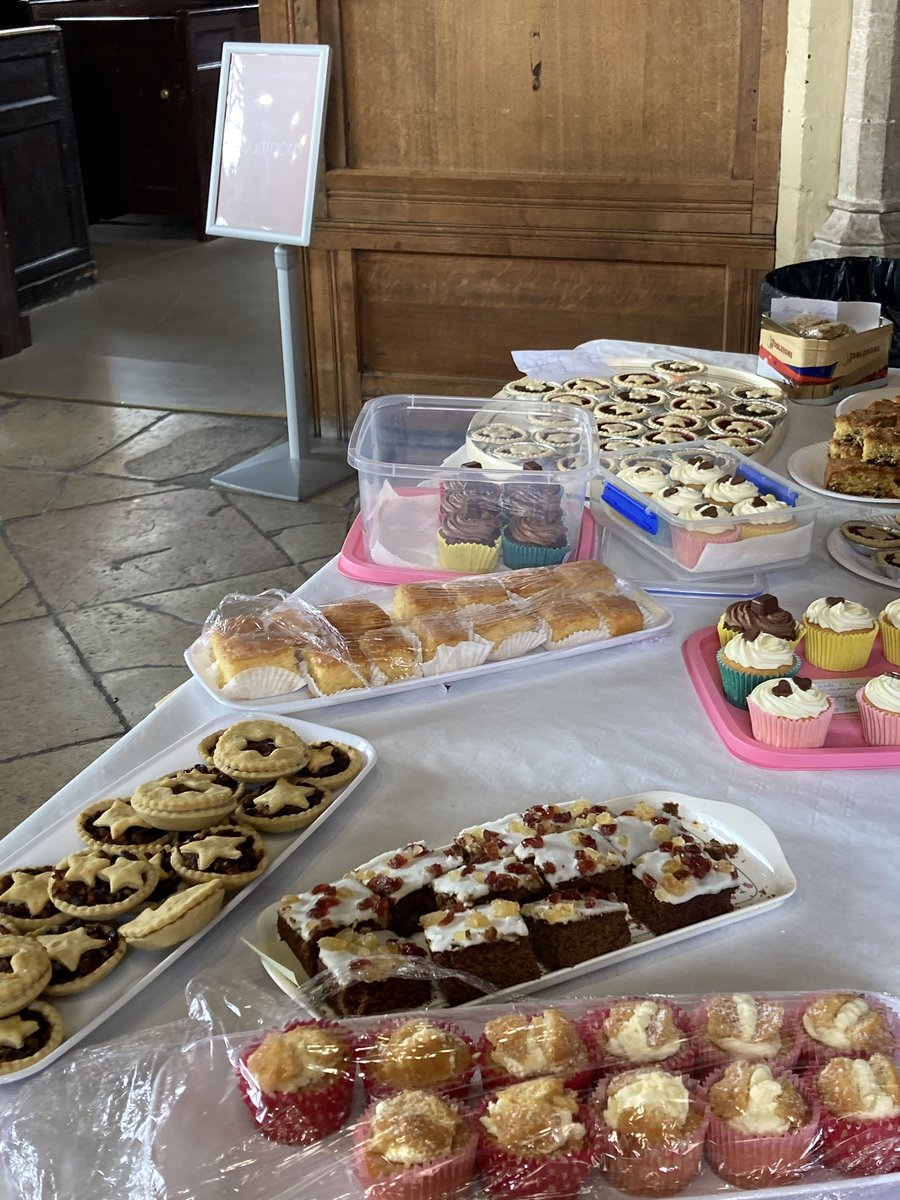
(865, 213)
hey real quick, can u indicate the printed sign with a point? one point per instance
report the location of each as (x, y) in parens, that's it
(267, 139)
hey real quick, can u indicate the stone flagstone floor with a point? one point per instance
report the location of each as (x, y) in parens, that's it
(113, 549)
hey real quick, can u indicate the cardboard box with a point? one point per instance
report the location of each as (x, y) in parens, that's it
(816, 368)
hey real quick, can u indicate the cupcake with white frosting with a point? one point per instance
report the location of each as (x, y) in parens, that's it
(750, 659)
(728, 1028)
(845, 1023)
(889, 624)
(790, 713)
(879, 709)
(860, 1125)
(729, 489)
(770, 514)
(839, 634)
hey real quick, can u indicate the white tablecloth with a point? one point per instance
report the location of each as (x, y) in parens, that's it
(603, 725)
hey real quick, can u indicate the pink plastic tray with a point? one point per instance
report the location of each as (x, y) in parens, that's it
(354, 563)
(844, 747)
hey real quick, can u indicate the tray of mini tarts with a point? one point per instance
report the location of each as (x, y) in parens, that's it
(209, 902)
(765, 881)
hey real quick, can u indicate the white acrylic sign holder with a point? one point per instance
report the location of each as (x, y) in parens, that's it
(262, 188)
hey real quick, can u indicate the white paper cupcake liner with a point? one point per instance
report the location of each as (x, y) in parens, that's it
(575, 639)
(517, 644)
(257, 682)
(457, 658)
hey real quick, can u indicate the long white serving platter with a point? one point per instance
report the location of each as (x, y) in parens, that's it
(83, 1012)
(766, 881)
(657, 620)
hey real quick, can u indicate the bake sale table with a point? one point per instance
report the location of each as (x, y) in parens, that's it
(600, 726)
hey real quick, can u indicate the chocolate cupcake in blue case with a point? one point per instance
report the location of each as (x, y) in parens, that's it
(535, 540)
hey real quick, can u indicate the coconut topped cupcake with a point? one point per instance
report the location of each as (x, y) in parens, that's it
(846, 1022)
(742, 1026)
(751, 1100)
(418, 1054)
(642, 1031)
(535, 1118)
(860, 1089)
(299, 1059)
(651, 1104)
(410, 1129)
(538, 1044)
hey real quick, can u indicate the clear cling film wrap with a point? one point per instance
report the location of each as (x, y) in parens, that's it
(274, 644)
(777, 1094)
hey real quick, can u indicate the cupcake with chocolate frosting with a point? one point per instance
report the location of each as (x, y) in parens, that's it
(530, 496)
(535, 540)
(762, 614)
(469, 538)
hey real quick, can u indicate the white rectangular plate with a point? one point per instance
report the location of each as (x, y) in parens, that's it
(657, 620)
(204, 1146)
(84, 1012)
(765, 881)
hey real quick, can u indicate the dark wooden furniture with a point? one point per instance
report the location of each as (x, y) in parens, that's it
(48, 239)
(533, 173)
(144, 76)
(15, 330)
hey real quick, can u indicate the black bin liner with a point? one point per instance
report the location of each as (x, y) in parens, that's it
(874, 279)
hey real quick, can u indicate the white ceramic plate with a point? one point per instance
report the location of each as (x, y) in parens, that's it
(656, 617)
(861, 399)
(857, 563)
(766, 881)
(83, 1012)
(807, 467)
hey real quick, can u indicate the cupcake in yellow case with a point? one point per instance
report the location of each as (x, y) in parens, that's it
(839, 634)
(469, 538)
(889, 624)
(763, 614)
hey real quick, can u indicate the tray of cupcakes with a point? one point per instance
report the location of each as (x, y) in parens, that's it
(775, 1094)
(93, 909)
(529, 901)
(278, 653)
(821, 692)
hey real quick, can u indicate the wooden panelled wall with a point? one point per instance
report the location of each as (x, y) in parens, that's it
(505, 174)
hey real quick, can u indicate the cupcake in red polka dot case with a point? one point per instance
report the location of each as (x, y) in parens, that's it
(535, 1141)
(839, 1024)
(416, 1053)
(861, 1114)
(518, 1046)
(741, 1026)
(297, 1082)
(638, 1032)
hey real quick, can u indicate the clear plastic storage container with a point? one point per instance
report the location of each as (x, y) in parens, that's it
(704, 508)
(471, 486)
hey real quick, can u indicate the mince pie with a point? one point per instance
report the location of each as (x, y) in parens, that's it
(233, 854)
(113, 825)
(24, 971)
(28, 1036)
(91, 884)
(81, 954)
(25, 899)
(331, 764)
(254, 751)
(176, 919)
(184, 800)
(283, 805)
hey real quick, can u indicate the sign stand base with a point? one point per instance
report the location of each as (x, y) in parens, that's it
(275, 473)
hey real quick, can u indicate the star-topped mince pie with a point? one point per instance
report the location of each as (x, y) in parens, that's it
(331, 764)
(94, 884)
(233, 854)
(81, 954)
(258, 750)
(184, 800)
(25, 899)
(282, 805)
(24, 972)
(177, 918)
(28, 1036)
(113, 825)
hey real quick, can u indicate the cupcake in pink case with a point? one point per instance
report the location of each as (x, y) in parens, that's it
(763, 1125)
(414, 1146)
(741, 1026)
(837, 1024)
(639, 1032)
(650, 1130)
(298, 1081)
(535, 1142)
(518, 1046)
(879, 709)
(860, 1115)
(709, 526)
(416, 1054)
(790, 713)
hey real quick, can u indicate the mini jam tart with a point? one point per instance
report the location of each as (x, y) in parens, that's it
(757, 391)
(870, 539)
(700, 406)
(677, 420)
(676, 369)
(742, 426)
(669, 437)
(253, 751)
(649, 397)
(766, 410)
(331, 764)
(696, 388)
(638, 379)
(612, 444)
(91, 884)
(24, 972)
(559, 439)
(28, 1036)
(25, 899)
(744, 445)
(232, 854)
(281, 806)
(176, 919)
(81, 954)
(114, 825)
(185, 800)
(617, 407)
(519, 451)
(528, 388)
(608, 427)
(574, 398)
(588, 386)
(497, 433)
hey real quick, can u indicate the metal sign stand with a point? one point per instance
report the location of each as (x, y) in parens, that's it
(302, 466)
